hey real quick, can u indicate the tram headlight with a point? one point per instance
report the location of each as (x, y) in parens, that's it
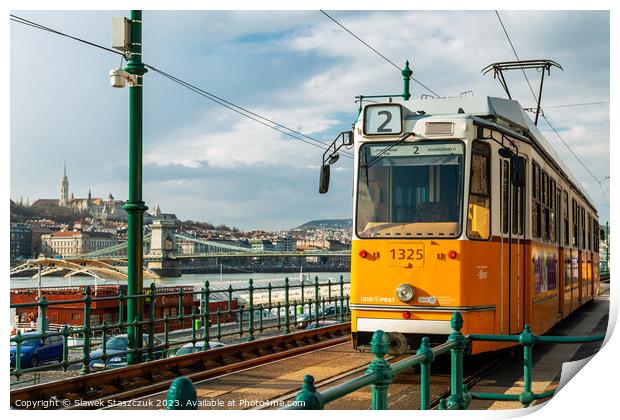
(405, 292)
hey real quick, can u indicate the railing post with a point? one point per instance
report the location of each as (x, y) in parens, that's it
(181, 395)
(218, 324)
(459, 398)
(379, 347)
(527, 340)
(18, 354)
(329, 291)
(65, 347)
(308, 398)
(152, 297)
(251, 314)
(269, 295)
(180, 309)
(104, 353)
(86, 335)
(316, 301)
(341, 314)
(206, 318)
(425, 374)
(166, 334)
(287, 320)
(43, 322)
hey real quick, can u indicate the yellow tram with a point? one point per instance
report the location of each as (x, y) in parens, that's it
(462, 204)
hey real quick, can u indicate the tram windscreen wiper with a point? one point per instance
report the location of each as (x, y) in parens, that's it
(379, 155)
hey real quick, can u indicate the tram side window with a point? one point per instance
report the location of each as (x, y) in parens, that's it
(596, 236)
(505, 192)
(575, 223)
(479, 209)
(536, 200)
(566, 222)
(589, 232)
(545, 206)
(517, 210)
(552, 209)
(583, 228)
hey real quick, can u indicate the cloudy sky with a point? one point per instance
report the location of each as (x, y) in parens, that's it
(204, 162)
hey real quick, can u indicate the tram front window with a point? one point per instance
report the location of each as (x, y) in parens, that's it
(410, 190)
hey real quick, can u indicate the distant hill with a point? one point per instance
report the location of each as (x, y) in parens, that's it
(327, 223)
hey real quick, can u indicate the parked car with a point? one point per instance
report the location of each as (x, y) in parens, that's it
(330, 312)
(199, 346)
(118, 344)
(35, 352)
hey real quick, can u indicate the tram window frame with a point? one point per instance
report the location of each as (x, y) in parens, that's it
(476, 148)
(517, 210)
(589, 227)
(505, 197)
(545, 206)
(553, 191)
(596, 236)
(566, 213)
(575, 224)
(536, 206)
(583, 228)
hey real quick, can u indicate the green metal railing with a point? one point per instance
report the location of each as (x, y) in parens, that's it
(380, 374)
(283, 307)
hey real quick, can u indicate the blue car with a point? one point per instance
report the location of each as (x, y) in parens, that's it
(34, 352)
(118, 344)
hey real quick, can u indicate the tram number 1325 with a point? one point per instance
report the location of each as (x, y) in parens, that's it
(407, 253)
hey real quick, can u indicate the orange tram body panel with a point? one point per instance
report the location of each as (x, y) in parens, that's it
(464, 207)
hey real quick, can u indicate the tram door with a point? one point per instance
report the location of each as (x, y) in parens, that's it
(512, 278)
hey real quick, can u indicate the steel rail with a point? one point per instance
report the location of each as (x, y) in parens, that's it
(470, 380)
(141, 379)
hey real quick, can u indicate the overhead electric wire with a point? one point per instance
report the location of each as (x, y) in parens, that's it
(242, 111)
(221, 101)
(377, 52)
(575, 105)
(45, 28)
(600, 183)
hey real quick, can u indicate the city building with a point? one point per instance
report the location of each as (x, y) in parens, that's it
(286, 244)
(74, 243)
(259, 245)
(21, 242)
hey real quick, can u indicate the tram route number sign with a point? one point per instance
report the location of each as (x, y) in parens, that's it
(406, 254)
(425, 149)
(383, 119)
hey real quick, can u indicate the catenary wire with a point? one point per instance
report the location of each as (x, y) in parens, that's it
(223, 102)
(543, 115)
(377, 52)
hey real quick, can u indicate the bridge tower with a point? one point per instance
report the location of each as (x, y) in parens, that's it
(163, 246)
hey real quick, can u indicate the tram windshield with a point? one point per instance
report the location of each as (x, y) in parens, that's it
(410, 189)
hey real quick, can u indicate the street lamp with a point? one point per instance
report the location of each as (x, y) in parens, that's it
(127, 37)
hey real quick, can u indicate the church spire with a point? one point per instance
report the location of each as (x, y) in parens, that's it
(64, 187)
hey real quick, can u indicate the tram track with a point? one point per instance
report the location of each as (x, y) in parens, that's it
(122, 384)
(469, 380)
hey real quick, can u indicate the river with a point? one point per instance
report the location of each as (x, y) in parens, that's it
(217, 281)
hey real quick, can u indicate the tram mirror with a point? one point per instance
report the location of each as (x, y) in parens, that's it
(517, 171)
(324, 180)
(602, 234)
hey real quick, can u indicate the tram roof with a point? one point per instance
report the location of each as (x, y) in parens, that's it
(487, 106)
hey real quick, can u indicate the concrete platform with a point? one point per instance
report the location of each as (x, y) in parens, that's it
(591, 319)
